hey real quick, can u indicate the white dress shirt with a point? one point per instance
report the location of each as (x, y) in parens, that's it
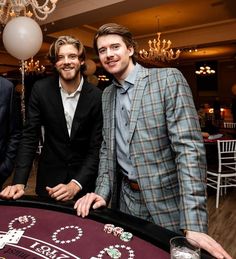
(70, 103)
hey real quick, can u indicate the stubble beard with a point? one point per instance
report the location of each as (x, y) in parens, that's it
(70, 76)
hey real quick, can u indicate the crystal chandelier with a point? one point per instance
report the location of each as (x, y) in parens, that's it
(159, 50)
(14, 8)
(205, 70)
(103, 78)
(33, 67)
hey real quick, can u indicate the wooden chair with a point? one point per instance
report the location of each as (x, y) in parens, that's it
(224, 175)
(229, 125)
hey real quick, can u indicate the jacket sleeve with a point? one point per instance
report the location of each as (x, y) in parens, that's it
(13, 134)
(87, 174)
(186, 140)
(103, 183)
(30, 138)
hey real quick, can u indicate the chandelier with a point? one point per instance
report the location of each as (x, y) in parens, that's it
(205, 70)
(103, 78)
(159, 50)
(14, 8)
(32, 67)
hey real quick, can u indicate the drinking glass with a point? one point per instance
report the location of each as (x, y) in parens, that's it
(184, 248)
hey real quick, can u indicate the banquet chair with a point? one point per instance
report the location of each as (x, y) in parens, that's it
(229, 125)
(224, 175)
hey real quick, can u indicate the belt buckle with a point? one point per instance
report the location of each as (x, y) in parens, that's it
(133, 184)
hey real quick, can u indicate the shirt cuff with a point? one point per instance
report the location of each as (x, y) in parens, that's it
(80, 186)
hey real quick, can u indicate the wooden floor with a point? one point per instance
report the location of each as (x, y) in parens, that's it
(222, 221)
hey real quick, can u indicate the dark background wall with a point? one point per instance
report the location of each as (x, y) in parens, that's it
(206, 90)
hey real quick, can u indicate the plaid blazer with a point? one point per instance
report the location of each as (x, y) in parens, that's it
(166, 148)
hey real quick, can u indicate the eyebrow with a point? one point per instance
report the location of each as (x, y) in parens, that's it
(111, 45)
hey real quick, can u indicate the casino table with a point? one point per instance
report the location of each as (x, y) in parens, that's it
(52, 229)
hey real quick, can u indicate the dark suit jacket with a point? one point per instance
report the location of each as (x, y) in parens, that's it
(63, 157)
(10, 130)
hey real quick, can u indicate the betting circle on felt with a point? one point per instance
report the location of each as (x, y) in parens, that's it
(57, 235)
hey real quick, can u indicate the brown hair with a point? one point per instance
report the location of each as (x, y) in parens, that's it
(64, 40)
(113, 28)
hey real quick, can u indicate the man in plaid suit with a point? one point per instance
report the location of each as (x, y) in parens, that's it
(152, 160)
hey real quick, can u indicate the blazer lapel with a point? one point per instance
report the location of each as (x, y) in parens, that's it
(111, 111)
(59, 109)
(140, 84)
(110, 123)
(82, 106)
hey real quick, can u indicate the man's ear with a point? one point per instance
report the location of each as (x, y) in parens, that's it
(131, 51)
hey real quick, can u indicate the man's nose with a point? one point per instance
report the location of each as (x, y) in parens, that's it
(110, 52)
(66, 60)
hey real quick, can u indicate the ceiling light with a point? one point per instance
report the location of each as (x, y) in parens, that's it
(15, 8)
(103, 78)
(205, 70)
(159, 50)
(33, 67)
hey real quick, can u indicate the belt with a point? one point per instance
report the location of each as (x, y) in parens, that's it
(132, 184)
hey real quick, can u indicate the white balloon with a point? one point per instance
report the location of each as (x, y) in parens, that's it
(22, 37)
(90, 67)
(92, 79)
(234, 89)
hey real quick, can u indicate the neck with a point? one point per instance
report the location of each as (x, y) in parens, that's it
(123, 75)
(70, 86)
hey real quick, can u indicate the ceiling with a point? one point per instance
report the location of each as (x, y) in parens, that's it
(206, 25)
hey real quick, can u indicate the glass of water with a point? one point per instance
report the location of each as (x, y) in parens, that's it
(184, 248)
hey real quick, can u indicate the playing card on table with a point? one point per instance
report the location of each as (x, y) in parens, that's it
(2, 241)
(13, 236)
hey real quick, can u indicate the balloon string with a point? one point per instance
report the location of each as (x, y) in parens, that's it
(23, 90)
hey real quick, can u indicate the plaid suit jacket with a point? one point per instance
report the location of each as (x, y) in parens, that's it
(166, 148)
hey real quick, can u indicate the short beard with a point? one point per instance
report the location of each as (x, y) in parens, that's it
(70, 78)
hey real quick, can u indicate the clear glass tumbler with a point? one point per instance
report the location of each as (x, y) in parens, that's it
(184, 248)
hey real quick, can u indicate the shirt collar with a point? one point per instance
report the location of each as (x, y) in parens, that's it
(78, 90)
(129, 80)
(132, 75)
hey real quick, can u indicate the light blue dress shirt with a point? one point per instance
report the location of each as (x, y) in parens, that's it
(124, 99)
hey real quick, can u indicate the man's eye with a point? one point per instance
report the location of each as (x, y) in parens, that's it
(115, 47)
(101, 51)
(60, 58)
(73, 57)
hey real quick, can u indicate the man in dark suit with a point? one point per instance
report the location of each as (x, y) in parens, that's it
(69, 109)
(10, 129)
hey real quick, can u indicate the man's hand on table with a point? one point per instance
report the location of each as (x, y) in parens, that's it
(63, 192)
(12, 192)
(209, 244)
(89, 200)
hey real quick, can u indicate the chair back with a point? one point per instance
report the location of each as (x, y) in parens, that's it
(226, 154)
(229, 125)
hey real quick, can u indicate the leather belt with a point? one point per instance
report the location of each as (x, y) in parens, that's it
(132, 184)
